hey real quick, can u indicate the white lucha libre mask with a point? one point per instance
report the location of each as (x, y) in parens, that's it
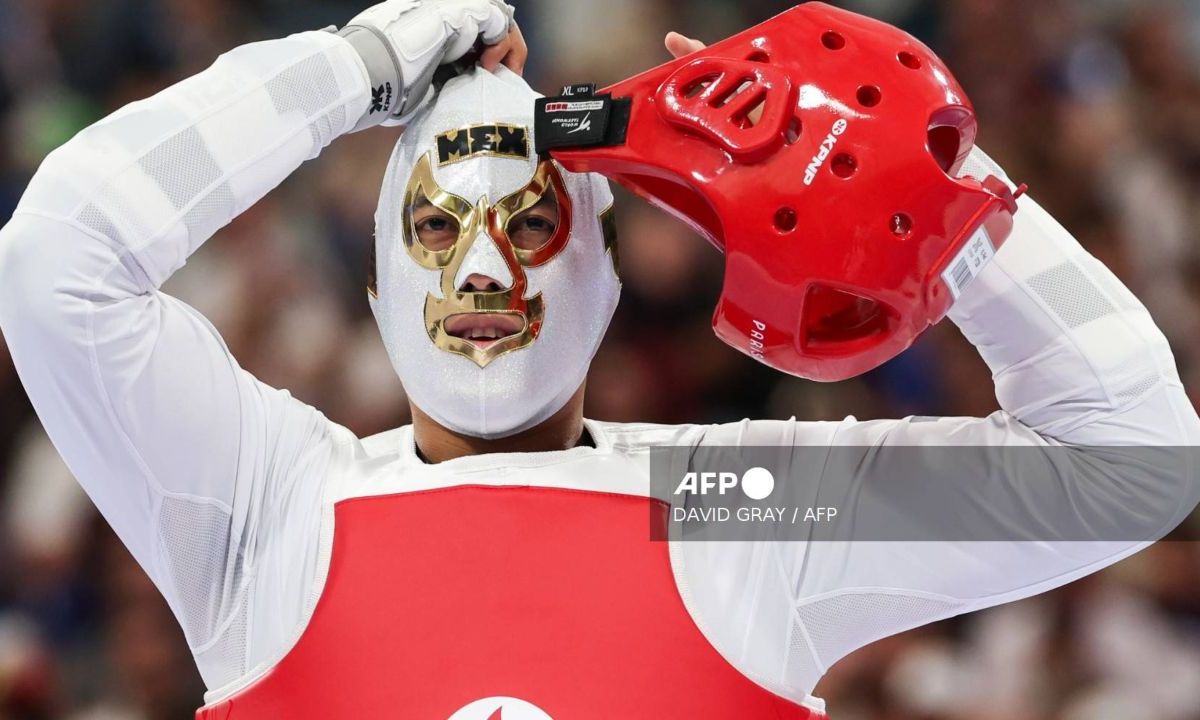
(490, 310)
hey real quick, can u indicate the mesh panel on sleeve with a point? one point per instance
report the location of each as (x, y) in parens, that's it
(844, 623)
(1071, 295)
(1138, 388)
(310, 87)
(226, 660)
(211, 213)
(802, 671)
(325, 129)
(94, 218)
(182, 166)
(117, 220)
(196, 539)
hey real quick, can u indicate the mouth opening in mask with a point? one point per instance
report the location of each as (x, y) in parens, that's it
(484, 329)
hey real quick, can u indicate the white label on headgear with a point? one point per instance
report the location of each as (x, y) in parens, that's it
(969, 262)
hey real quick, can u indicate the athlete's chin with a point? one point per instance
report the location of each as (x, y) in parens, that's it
(492, 403)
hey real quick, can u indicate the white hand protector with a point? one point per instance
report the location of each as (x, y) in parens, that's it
(495, 273)
(403, 42)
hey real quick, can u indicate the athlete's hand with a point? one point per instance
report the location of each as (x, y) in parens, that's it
(680, 45)
(403, 42)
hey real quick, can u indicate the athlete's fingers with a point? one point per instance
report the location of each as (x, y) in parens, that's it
(494, 54)
(680, 45)
(515, 60)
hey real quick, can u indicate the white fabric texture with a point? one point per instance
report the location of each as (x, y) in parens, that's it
(219, 485)
(189, 458)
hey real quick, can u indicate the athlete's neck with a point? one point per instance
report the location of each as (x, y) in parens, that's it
(562, 430)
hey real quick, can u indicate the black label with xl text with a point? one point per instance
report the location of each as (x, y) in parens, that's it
(580, 118)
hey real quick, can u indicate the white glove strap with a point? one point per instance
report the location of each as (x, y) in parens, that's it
(388, 92)
(402, 44)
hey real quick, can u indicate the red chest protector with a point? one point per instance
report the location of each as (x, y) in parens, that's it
(481, 603)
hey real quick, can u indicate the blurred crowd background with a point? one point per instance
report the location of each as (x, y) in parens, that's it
(1094, 103)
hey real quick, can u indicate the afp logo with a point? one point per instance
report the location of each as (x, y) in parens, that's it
(500, 708)
(757, 483)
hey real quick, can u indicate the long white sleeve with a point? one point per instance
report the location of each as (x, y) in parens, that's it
(1078, 365)
(189, 458)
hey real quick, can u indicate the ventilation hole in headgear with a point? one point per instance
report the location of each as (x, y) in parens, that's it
(834, 316)
(909, 60)
(750, 118)
(844, 165)
(869, 96)
(785, 219)
(698, 86)
(793, 131)
(728, 97)
(902, 224)
(944, 145)
(759, 56)
(833, 40)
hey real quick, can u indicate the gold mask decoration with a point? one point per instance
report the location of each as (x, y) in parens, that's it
(477, 223)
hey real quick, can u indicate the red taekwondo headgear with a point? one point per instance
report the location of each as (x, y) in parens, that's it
(819, 151)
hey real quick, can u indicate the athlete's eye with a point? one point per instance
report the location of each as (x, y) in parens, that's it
(533, 228)
(435, 229)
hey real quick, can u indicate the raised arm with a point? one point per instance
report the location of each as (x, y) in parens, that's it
(188, 457)
(1090, 460)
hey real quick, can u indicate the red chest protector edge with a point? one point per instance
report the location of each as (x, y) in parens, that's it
(818, 151)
